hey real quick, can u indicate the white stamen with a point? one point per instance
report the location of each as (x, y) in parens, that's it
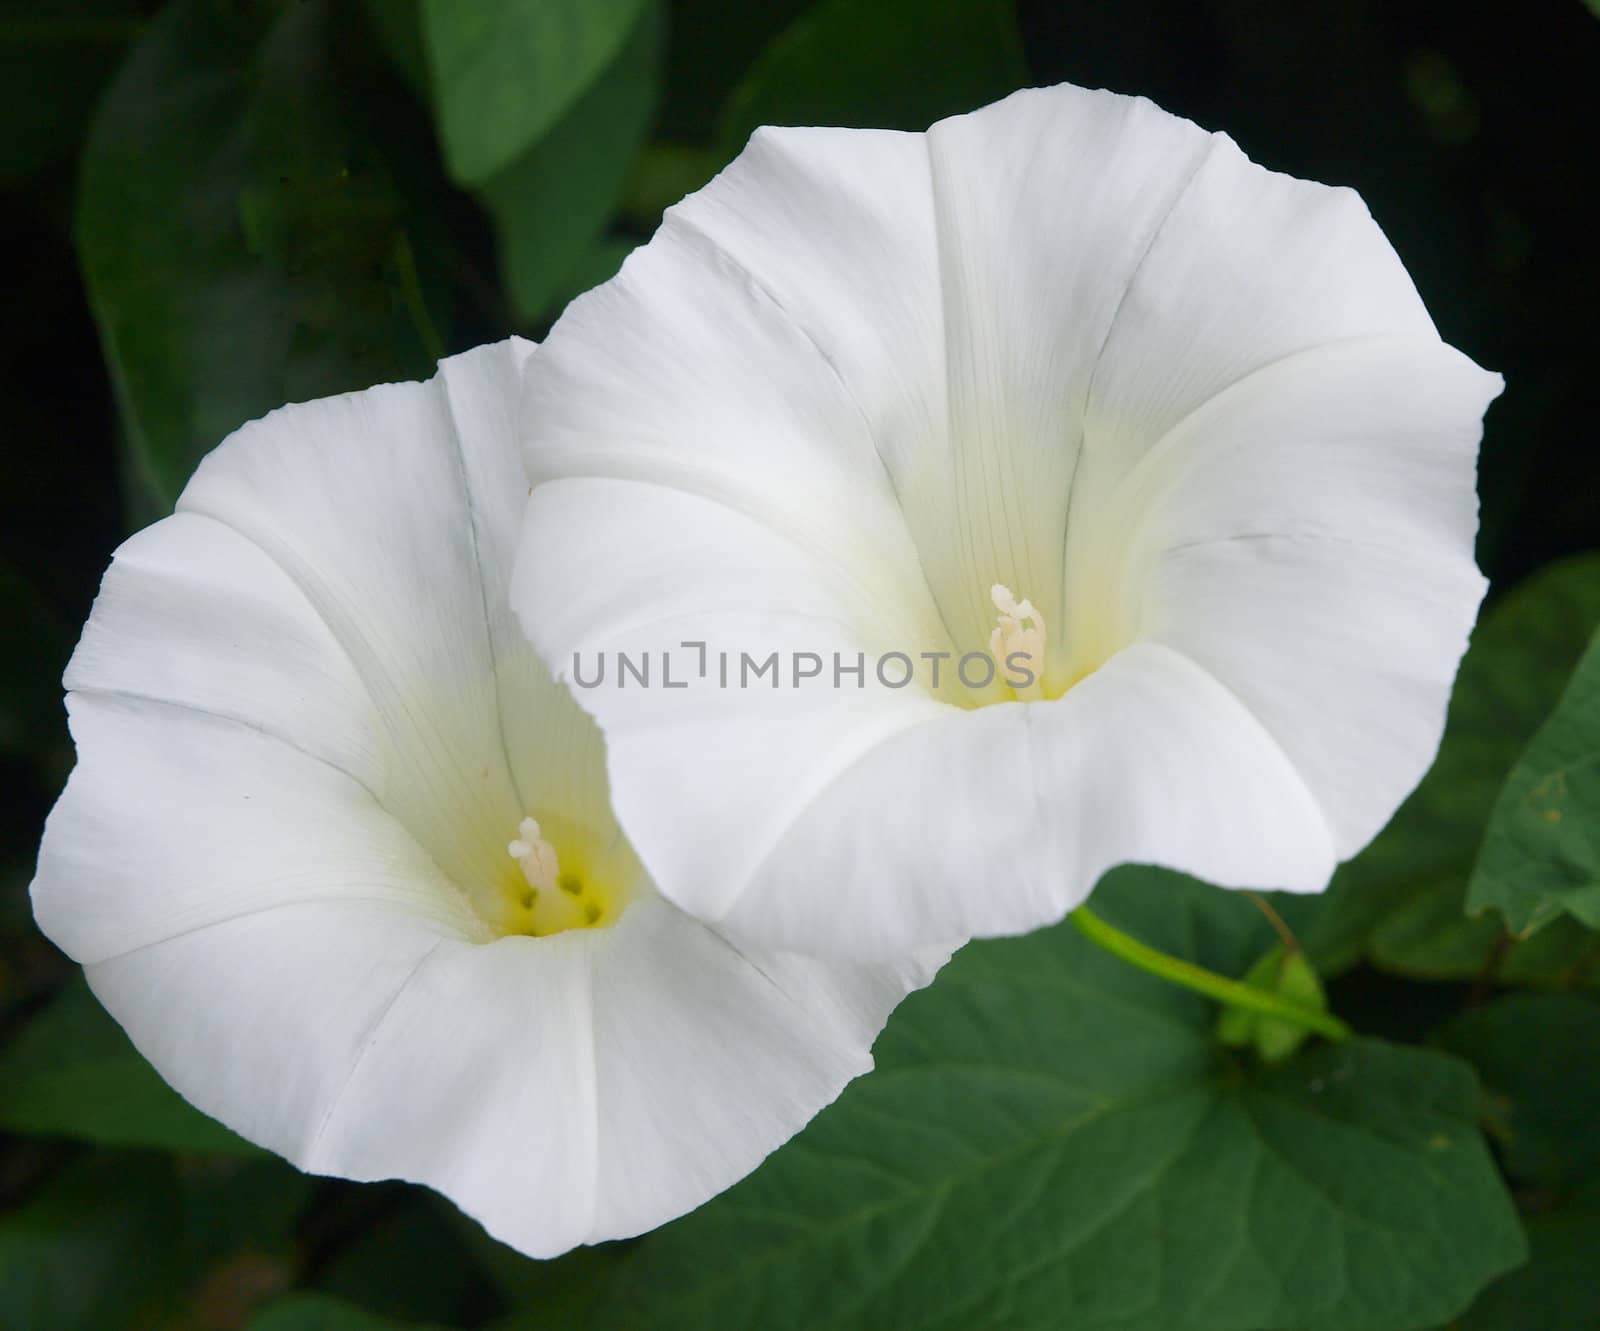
(1011, 639)
(535, 856)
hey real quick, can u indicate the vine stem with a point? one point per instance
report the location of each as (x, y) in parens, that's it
(1189, 976)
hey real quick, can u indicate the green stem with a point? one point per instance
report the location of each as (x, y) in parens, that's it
(1202, 981)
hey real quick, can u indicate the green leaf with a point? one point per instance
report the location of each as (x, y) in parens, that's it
(1541, 855)
(600, 263)
(1539, 1057)
(90, 1248)
(73, 1073)
(890, 64)
(413, 1263)
(237, 1243)
(1402, 901)
(552, 202)
(242, 239)
(316, 1312)
(503, 72)
(1054, 1138)
(397, 24)
(715, 42)
(119, 1241)
(53, 61)
(566, 1293)
(1557, 1288)
(664, 173)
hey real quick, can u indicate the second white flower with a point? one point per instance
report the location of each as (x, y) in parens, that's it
(1069, 379)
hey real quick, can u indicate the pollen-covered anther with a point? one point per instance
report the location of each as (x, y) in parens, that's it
(1018, 642)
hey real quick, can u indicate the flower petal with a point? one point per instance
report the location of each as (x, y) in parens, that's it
(257, 1019)
(681, 1014)
(866, 821)
(995, 821)
(1247, 267)
(701, 582)
(1110, 286)
(771, 349)
(380, 509)
(175, 820)
(561, 1090)
(1045, 204)
(306, 723)
(1107, 268)
(1306, 537)
(193, 615)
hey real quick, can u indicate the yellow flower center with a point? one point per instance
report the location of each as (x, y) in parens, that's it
(546, 896)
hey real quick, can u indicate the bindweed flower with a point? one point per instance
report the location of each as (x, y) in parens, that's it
(1069, 384)
(338, 854)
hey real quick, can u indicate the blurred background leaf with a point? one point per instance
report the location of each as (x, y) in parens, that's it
(90, 1249)
(1539, 1056)
(1557, 1287)
(313, 1312)
(118, 1240)
(71, 1072)
(1541, 854)
(397, 24)
(503, 72)
(895, 64)
(53, 60)
(243, 239)
(550, 205)
(550, 163)
(412, 1260)
(1545, 1092)
(34, 646)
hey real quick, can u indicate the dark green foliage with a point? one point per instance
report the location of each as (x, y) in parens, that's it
(845, 63)
(550, 204)
(1050, 1129)
(244, 240)
(313, 1312)
(72, 1072)
(504, 72)
(1541, 856)
(1539, 1057)
(216, 206)
(53, 60)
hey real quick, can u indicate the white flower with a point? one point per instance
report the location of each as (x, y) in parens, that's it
(335, 842)
(1068, 356)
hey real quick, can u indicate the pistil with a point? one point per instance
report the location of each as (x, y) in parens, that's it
(536, 857)
(1018, 642)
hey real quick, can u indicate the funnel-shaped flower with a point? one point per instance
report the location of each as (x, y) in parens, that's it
(1067, 380)
(339, 856)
